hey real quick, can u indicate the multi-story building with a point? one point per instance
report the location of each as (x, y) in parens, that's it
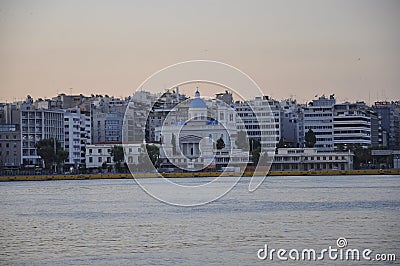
(352, 124)
(292, 130)
(9, 113)
(136, 127)
(376, 128)
(38, 124)
(261, 119)
(318, 116)
(63, 101)
(10, 146)
(311, 159)
(107, 127)
(225, 97)
(77, 128)
(389, 113)
(164, 106)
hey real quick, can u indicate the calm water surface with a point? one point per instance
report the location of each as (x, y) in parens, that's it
(115, 222)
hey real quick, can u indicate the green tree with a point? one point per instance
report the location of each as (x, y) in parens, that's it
(310, 139)
(220, 144)
(149, 157)
(154, 154)
(361, 155)
(117, 152)
(51, 152)
(173, 143)
(254, 144)
(340, 147)
(255, 154)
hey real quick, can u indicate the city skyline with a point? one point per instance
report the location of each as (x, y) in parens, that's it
(298, 49)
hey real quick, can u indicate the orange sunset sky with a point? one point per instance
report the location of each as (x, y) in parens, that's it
(298, 48)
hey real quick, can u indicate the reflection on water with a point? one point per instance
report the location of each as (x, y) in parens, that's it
(115, 222)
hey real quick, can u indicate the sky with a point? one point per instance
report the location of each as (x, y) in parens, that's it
(292, 48)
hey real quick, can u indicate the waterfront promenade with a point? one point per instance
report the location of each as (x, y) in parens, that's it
(197, 174)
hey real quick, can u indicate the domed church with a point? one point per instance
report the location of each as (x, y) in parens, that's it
(195, 139)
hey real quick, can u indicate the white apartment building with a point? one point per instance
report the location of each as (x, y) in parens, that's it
(77, 128)
(318, 116)
(97, 154)
(261, 119)
(352, 125)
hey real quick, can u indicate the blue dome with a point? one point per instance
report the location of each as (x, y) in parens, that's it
(197, 102)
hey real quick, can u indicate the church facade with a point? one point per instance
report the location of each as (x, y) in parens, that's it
(205, 141)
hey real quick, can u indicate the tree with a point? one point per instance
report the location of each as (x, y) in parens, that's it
(310, 139)
(254, 144)
(173, 143)
(154, 154)
(220, 144)
(51, 152)
(242, 141)
(149, 157)
(255, 154)
(117, 152)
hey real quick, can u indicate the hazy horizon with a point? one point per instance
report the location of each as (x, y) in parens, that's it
(290, 48)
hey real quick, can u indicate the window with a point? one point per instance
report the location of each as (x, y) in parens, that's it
(99, 151)
(100, 159)
(90, 151)
(90, 159)
(108, 159)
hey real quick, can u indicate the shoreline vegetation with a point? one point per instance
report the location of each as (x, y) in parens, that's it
(196, 174)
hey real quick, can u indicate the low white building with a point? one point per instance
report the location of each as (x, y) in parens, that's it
(97, 154)
(310, 159)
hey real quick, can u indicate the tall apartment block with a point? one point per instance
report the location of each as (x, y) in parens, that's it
(38, 124)
(318, 116)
